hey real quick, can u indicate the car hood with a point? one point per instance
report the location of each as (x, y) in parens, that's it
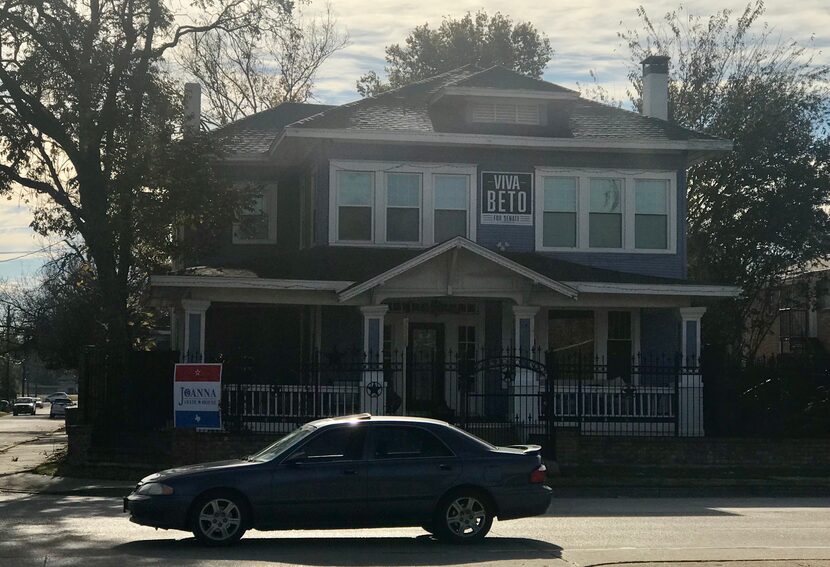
(197, 469)
(24, 403)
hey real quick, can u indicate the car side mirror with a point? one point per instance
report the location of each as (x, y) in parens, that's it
(296, 458)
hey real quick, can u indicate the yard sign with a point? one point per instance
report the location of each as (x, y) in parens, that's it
(197, 392)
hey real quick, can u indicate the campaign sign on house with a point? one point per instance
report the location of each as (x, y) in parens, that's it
(507, 198)
(197, 392)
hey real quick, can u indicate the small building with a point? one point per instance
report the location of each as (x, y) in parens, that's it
(479, 246)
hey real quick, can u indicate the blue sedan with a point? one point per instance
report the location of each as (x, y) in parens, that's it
(348, 472)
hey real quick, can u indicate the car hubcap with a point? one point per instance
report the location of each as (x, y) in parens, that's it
(219, 519)
(465, 516)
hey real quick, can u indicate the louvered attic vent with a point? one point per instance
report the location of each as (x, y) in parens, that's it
(506, 113)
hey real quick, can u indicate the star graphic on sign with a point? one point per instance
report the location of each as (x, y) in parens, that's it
(198, 372)
(197, 419)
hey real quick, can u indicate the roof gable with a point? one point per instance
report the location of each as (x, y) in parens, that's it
(449, 246)
(498, 77)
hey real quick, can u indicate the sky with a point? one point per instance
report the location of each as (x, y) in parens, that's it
(582, 34)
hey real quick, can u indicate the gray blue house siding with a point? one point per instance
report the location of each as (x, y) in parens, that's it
(520, 238)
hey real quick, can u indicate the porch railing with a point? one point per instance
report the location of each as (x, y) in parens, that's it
(501, 395)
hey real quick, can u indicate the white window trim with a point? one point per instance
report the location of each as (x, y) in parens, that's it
(269, 193)
(628, 176)
(380, 168)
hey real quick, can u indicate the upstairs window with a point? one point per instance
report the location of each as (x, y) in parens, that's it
(605, 217)
(403, 207)
(451, 206)
(506, 113)
(256, 221)
(606, 210)
(355, 205)
(559, 215)
(651, 209)
(401, 204)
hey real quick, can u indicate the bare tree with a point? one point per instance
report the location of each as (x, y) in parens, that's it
(277, 61)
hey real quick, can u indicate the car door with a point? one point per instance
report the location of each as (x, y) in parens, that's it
(322, 483)
(409, 468)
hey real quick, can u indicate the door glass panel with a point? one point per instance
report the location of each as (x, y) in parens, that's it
(343, 443)
(619, 345)
(425, 350)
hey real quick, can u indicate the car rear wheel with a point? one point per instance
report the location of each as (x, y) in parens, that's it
(463, 517)
(219, 519)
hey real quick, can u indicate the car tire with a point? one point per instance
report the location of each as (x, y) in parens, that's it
(14, 413)
(463, 516)
(219, 519)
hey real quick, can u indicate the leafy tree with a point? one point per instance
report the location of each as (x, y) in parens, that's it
(474, 38)
(89, 121)
(253, 69)
(758, 215)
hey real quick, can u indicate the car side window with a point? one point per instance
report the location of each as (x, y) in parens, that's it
(336, 444)
(407, 443)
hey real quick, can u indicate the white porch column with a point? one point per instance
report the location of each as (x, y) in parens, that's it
(193, 349)
(372, 387)
(690, 394)
(525, 401)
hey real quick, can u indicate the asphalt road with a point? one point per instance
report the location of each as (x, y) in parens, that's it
(54, 530)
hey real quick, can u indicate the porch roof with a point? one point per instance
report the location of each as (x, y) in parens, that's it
(343, 268)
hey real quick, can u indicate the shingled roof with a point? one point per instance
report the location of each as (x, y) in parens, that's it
(256, 133)
(409, 109)
(358, 264)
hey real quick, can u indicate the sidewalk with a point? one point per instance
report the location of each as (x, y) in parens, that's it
(727, 563)
(17, 460)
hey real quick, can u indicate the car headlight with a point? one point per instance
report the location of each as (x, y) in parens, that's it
(154, 489)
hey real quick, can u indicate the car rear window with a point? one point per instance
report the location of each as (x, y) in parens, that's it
(401, 442)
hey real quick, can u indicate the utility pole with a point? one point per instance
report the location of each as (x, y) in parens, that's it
(8, 349)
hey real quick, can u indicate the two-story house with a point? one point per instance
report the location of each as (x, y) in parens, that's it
(478, 244)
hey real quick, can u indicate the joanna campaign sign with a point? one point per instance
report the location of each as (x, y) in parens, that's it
(507, 198)
(197, 391)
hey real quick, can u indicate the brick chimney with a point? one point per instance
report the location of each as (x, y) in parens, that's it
(656, 87)
(192, 108)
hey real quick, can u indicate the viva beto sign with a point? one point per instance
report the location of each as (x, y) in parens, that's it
(507, 198)
(197, 393)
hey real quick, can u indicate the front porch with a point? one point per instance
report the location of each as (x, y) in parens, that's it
(458, 333)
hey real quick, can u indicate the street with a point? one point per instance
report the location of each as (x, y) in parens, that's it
(50, 529)
(70, 530)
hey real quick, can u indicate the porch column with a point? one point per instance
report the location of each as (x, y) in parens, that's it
(690, 391)
(372, 387)
(525, 402)
(193, 349)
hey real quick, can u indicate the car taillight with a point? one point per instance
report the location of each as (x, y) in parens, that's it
(539, 475)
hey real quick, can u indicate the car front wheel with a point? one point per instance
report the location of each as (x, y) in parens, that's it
(219, 519)
(463, 517)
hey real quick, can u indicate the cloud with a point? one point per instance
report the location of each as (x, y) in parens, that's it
(583, 35)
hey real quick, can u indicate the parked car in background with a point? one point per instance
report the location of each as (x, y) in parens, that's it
(348, 472)
(58, 407)
(5, 405)
(54, 395)
(38, 402)
(24, 405)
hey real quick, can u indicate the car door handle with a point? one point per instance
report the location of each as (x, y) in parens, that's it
(444, 467)
(349, 471)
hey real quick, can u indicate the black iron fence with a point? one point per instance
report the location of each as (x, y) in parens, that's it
(505, 396)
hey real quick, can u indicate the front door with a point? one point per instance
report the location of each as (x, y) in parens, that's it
(425, 375)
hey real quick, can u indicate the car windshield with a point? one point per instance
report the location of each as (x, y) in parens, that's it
(271, 451)
(61, 401)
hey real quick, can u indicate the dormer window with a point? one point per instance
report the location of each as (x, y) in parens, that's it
(505, 112)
